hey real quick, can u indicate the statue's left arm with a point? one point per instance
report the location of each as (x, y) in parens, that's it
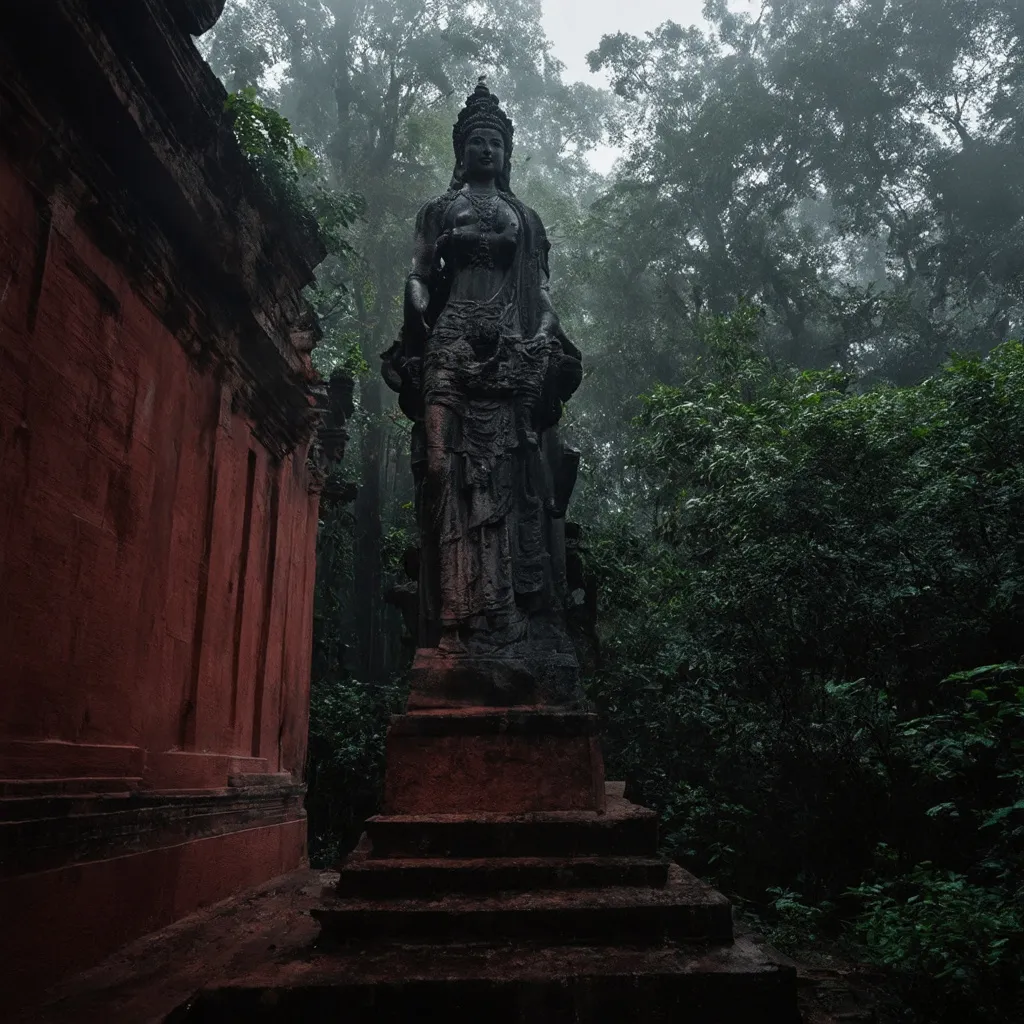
(548, 325)
(566, 359)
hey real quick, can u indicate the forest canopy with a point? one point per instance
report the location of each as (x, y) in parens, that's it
(802, 429)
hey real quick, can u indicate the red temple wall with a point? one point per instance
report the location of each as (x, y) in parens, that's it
(156, 589)
(156, 561)
(159, 478)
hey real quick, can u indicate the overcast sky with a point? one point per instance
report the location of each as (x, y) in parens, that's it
(575, 27)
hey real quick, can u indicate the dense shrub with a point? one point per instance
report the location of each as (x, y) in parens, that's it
(348, 717)
(789, 651)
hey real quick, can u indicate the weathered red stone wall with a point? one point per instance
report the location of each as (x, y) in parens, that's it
(156, 562)
(100, 899)
(159, 478)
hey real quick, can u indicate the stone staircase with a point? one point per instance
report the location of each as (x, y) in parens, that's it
(531, 913)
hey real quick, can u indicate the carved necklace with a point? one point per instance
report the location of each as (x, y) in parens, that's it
(485, 206)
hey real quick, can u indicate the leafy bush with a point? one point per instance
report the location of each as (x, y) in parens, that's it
(793, 609)
(290, 171)
(262, 131)
(348, 723)
(956, 947)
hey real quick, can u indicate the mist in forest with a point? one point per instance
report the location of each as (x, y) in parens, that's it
(788, 238)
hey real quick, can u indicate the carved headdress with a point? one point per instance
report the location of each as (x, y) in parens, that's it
(482, 111)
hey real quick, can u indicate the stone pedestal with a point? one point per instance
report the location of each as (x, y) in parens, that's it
(527, 675)
(506, 881)
(532, 888)
(511, 760)
(550, 877)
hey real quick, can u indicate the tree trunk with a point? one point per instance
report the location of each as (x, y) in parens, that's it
(367, 537)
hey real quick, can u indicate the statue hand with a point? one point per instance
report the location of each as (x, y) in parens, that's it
(417, 297)
(418, 294)
(543, 341)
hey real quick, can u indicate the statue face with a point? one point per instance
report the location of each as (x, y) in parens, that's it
(484, 155)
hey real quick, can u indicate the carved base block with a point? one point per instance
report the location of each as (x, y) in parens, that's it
(529, 677)
(513, 761)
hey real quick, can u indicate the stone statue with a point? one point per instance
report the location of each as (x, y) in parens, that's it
(482, 368)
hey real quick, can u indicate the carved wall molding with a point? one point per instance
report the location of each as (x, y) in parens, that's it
(163, 189)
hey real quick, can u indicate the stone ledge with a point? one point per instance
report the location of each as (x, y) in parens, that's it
(738, 984)
(66, 787)
(363, 876)
(42, 833)
(683, 910)
(623, 829)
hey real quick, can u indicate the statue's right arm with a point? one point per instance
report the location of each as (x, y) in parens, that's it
(417, 286)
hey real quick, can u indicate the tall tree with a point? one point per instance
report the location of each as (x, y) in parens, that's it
(853, 165)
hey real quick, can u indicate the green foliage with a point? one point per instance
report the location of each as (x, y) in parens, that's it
(799, 570)
(395, 543)
(797, 925)
(289, 169)
(348, 717)
(348, 723)
(957, 947)
(262, 131)
(278, 158)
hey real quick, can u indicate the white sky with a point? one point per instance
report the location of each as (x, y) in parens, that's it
(575, 28)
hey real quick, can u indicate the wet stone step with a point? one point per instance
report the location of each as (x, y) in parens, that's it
(732, 984)
(366, 876)
(684, 910)
(624, 830)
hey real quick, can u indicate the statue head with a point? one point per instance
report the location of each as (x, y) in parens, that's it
(481, 126)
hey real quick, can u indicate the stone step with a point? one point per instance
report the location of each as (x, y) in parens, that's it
(624, 829)
(373, 878)
(694, 984)
(685, 909)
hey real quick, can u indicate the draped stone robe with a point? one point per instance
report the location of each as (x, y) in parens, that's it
(485, 393)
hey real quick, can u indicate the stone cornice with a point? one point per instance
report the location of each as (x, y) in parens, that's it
(115, 107)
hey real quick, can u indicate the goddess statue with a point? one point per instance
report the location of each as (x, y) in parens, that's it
(482, 367)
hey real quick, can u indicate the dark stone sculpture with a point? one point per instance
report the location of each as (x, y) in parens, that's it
(334, 405)
(482, 367)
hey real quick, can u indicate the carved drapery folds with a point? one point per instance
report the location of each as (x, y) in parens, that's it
(482, 367)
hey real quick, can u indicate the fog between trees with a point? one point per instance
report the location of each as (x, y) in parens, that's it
(814, 517)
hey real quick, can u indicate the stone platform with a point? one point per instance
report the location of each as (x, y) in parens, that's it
(543, 916)
(554, 877)
(498, 984)
(263, 947)
(506, 882)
